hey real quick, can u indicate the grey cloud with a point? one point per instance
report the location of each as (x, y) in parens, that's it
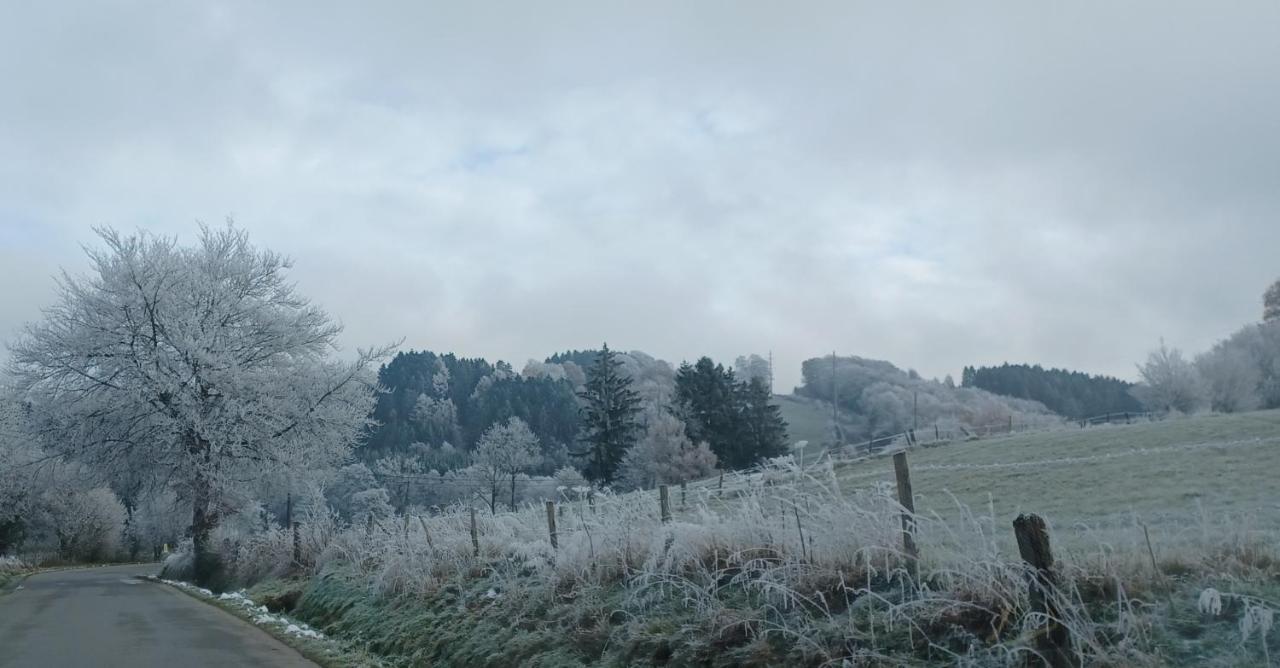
(935, 185)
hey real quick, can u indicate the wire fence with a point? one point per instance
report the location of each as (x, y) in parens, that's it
(936, 435)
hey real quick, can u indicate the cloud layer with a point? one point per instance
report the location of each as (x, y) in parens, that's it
(937, 186)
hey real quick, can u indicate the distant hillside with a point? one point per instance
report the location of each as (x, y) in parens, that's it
(809, 420)
(878, 399)
(1069, 393)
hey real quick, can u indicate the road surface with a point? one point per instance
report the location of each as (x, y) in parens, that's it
(106, 617)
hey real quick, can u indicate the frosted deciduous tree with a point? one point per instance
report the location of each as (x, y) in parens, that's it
(503, 452)
(1169, 382)
(398, 473)
(20, 458)
(1231, 379)
(664, 455)
(371, 505)
(753, 366)
(1271, 302)
(199, 364)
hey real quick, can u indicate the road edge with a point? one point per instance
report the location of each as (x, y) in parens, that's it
(12, 585)
(327, 652)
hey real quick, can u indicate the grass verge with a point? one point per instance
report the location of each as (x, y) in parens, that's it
(324, 651)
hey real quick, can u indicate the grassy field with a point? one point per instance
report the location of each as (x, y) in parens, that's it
(1160, 473)
(808, 420)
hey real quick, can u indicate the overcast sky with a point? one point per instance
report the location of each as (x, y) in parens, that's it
(936, 184)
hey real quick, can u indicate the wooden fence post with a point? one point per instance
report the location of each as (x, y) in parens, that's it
(1053, 642)
(551, 524)
(907, 500)
(591, 500)
(682, 492)
(475, 533)
(664, 503)
(720, 485)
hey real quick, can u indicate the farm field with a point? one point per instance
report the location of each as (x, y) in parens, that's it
(1161, 473)
(807, 420)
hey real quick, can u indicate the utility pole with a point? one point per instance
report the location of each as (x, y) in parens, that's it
(915, 410)
(770, 373)
(835, 404)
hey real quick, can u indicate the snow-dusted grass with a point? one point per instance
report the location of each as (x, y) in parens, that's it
(259, 614)
(1170, 475)
(804, 565)
(309, 641)
(12, 568)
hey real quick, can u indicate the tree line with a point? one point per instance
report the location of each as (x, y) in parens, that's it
(1071, 394)
(195, 380)
(1239, 373)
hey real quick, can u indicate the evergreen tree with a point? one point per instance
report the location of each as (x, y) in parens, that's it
(609, 424)
(1070, 393)
(706, 401)
(738, 420)
(764, 432)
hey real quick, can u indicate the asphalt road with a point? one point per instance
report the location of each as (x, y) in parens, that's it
(106, 617)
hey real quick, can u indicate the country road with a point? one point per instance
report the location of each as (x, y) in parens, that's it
(107, 617)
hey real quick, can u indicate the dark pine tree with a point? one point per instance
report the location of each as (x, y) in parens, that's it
(737, 420)
(764, 432)
(609, 418)
(706, 401)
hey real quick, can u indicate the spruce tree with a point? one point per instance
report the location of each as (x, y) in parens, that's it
(737, 420)
(609, 424)
(763, 431)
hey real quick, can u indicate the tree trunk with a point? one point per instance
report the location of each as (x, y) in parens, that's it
(203, 516)
(202, 522)
(513, 492)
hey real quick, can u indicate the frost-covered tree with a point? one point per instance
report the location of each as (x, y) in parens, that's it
(345, 484)
(201, 365)
(664, 455)
(505, 450)
(753, 366)
(398, 472)
(21, 459)
(1231, 379)
(1271, 302)
(1169, 382)
(371, 505)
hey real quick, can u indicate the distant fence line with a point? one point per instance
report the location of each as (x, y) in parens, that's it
(935, 435)
(931, 436)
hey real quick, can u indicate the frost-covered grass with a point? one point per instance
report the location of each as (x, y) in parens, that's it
(1170, 475)
(12, 568)
(310, 642)
(803, 565)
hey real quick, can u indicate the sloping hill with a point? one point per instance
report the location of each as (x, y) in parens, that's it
(1168, 473)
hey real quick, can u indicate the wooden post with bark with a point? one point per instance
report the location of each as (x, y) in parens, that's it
(475, 533)
(1053, 639)
(907, 500)
(551, 524)
(664, 503)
